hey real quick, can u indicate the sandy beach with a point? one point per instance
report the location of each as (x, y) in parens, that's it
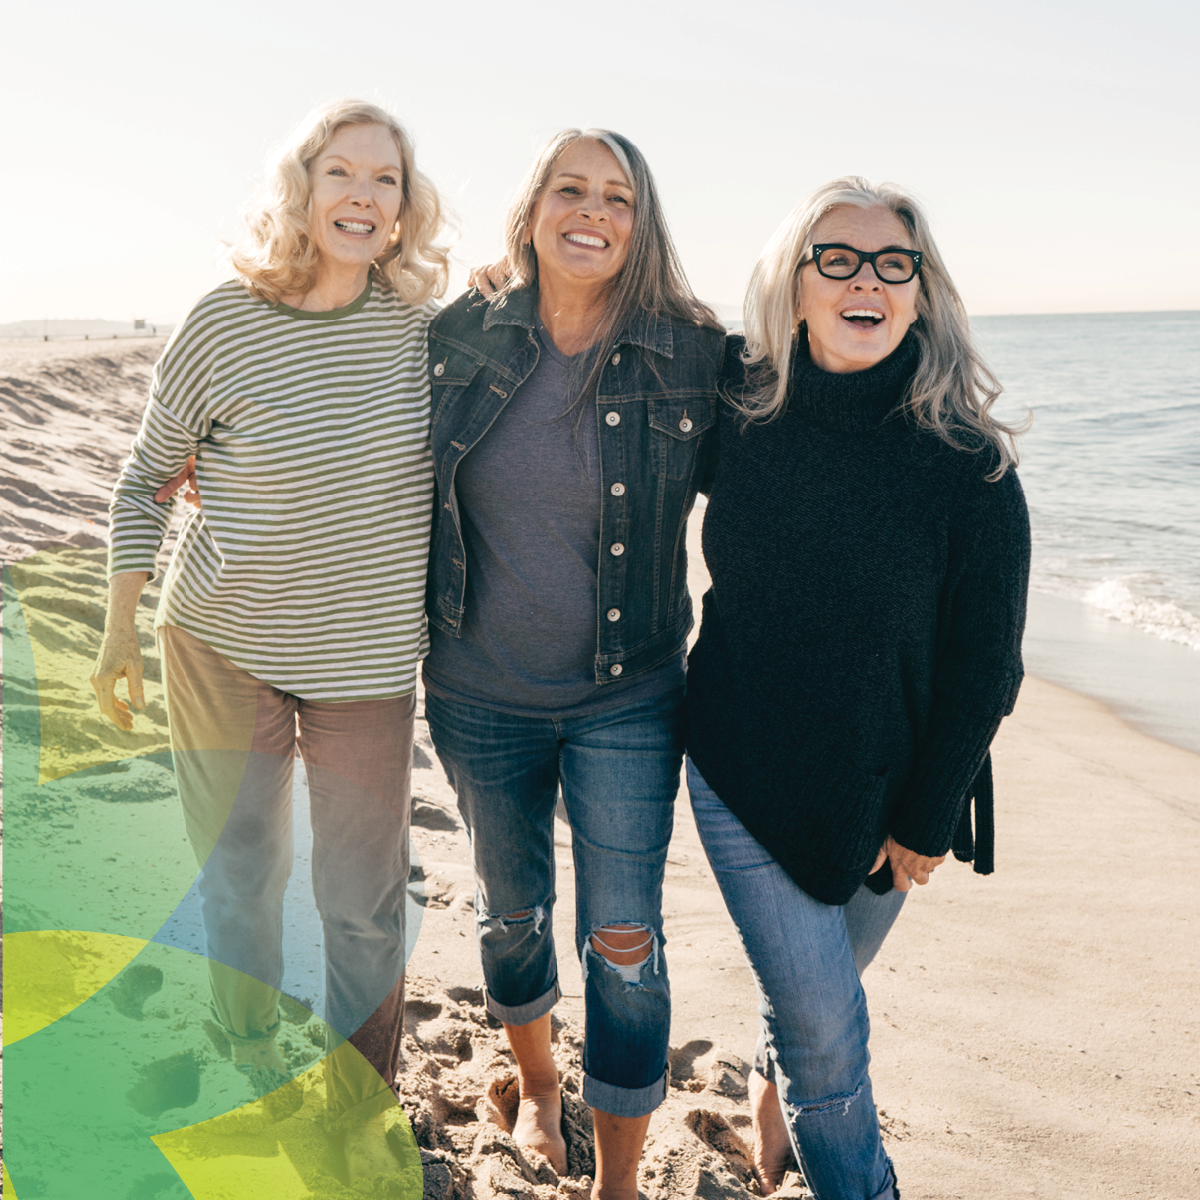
(1036, 1033)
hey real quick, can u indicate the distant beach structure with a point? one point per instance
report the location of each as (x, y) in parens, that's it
(49, 330)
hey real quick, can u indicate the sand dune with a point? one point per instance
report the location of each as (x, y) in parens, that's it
(1035, 1032)
(68, 411)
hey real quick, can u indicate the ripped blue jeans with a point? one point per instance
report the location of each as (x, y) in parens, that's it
(806, 958)
(619, 772)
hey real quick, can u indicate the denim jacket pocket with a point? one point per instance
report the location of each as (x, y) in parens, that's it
(450, 369)
(678, 424)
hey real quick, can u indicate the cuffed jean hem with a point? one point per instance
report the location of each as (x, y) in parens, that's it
(624, 1102)
(890, 1191)
(246, 1040)
(523, 1014)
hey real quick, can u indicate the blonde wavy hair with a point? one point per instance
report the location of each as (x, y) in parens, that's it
(279, 257)
(953, 390)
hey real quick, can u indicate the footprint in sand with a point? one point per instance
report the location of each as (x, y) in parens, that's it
(136, 985)
(169, 1083)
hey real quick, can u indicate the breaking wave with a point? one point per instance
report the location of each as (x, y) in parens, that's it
(1158, 617)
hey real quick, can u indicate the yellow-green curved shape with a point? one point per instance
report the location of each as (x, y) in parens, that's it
(62, 595)
(249, 1152)
(50, 972)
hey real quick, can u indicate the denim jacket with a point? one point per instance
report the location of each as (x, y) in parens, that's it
(656, 413)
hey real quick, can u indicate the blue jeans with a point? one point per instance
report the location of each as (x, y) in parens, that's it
(807, 958)
(619, 772)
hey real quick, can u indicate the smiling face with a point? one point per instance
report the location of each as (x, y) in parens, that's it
(855, 323)
(356, 193)
(582, 221)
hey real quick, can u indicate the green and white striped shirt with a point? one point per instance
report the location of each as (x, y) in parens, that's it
(306, 565)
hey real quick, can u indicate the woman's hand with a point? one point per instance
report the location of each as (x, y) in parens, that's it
(120, 656)
(185, 478)
(490, 279)
(908, 867)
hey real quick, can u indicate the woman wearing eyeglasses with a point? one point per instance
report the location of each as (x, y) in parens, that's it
(869, 550)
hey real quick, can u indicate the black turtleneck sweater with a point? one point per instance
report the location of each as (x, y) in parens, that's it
(862, 638)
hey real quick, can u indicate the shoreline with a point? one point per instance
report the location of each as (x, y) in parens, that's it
(1152, 684)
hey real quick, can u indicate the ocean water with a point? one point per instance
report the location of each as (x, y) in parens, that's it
(1111, 470)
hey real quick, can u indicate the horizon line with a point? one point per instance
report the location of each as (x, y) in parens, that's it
(730, 313)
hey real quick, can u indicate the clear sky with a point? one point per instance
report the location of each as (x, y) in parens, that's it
(1054, 142)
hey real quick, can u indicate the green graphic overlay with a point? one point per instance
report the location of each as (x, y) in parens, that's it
(118, 1081)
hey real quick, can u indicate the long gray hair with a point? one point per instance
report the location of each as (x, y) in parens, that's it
(651, 281)
(953, 390)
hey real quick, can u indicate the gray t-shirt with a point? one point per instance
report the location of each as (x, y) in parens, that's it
(529, 495)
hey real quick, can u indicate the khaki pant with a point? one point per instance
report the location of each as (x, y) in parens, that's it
(234, 740)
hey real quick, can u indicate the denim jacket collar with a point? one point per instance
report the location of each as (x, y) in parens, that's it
(648, 330)
(656, 419)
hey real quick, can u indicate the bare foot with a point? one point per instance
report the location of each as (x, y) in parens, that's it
(772, 1147)
(261, 1062)
(367, 1151)
(538, 1127)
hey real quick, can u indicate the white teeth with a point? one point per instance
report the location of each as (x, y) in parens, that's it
(582, 239)
(863, 312)
(355, 226)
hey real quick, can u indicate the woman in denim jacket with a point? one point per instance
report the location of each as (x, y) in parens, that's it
(572, 416)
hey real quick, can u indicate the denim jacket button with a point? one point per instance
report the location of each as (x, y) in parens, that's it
(614, 614)
(617, 549)
(616, 358)
(613, 418)
(615, 669)
(617, 489)
(439, 370)
(686, 425)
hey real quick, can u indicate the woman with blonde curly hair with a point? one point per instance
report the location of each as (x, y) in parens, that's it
(291, 616)
(869, 550)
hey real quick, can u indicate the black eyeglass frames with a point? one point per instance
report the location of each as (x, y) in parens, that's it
(836, 261)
